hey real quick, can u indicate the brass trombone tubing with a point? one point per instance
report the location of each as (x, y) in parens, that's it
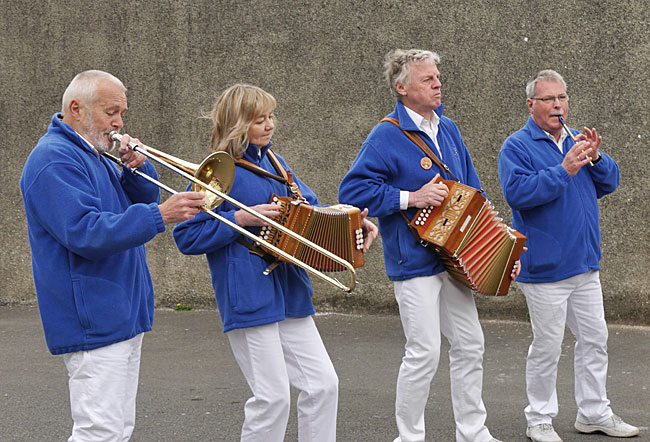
(117, 137)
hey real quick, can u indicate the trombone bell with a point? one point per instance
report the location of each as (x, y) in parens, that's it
(218, 172)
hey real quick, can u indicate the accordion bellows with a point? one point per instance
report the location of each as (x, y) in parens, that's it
(475, 246)
(336, 228)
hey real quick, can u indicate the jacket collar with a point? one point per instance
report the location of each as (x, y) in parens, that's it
(405, 121)
(536, 132)
(69, 132)
(250, 154)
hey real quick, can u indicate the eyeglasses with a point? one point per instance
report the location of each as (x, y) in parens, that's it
(548, 100)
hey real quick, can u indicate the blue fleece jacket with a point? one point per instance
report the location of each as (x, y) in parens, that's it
(245, 296)
(389, 162)
(558, 213)
(87, 223)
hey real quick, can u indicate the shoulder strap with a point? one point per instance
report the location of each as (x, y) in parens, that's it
(258, 170)
(423, 146)
(415, 137)
(284, 176)
(255, 250)
(277, 165)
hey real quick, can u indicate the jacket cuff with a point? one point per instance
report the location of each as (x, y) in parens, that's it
(157, 218)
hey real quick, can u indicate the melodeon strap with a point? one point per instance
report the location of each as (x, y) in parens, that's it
(417, 139)
(284, 176)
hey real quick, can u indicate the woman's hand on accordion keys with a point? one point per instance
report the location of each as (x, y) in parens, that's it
(244, 219)
(370, 231)
(431, 194)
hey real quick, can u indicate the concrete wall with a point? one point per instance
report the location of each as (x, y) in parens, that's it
(323, 62)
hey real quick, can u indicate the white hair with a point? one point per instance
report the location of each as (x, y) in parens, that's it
(397, 65)
(545, 75)
(83, 88)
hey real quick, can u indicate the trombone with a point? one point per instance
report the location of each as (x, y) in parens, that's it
(215, 175)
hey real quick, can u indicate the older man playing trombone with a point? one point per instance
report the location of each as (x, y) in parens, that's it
(88, 221)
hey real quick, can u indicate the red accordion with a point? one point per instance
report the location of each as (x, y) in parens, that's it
(336, 228)
(475, 246)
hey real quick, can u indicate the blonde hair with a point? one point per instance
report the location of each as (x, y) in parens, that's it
(232, 115)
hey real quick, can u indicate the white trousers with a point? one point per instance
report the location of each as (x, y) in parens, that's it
(103, 385)
(429, 306)
(578, 303)
(275, 356)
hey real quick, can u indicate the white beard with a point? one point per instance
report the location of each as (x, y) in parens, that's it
(95, 135)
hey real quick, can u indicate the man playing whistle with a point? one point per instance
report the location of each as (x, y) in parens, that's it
(552, 185)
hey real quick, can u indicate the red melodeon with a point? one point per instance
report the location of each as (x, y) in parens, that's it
(336, 228)
(475, 246)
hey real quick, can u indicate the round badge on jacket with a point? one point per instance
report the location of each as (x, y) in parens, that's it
(426, 163)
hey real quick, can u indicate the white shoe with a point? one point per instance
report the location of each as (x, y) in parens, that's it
(613, 426)
(542, 433)
(494, 439)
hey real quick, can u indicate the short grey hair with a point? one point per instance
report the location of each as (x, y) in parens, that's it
(545, 75)
(83, 87)
(397, 65)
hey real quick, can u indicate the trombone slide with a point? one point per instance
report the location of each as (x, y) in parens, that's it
(182, 168)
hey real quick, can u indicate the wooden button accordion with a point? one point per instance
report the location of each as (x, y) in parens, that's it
(336, 228)
(475, 246)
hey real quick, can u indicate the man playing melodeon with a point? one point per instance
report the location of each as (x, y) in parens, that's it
(392, 174)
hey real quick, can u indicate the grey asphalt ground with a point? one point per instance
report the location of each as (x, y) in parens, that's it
(191, 388)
